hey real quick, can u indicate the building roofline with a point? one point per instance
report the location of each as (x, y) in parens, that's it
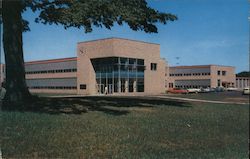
(51, 60)
(117, 38)
(199, 66)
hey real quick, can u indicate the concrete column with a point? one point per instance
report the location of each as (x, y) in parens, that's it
(126, 86)
(119, 86)
(134, 86)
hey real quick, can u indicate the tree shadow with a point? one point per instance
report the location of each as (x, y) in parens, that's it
(77, 105)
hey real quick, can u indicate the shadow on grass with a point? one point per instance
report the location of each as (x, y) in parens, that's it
(79, 105)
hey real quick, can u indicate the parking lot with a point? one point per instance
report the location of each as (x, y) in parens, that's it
(227, 96)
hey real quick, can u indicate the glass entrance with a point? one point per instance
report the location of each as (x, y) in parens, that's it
(119, 74)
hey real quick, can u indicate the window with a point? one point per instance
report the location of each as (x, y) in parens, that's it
(132, 61)
(52, 87)
(205, 74)
(83, 86)
(140, 62)
(218, 72)
(153, 66)
(218, 82)
(140, 86)
(170, 85)
(51, 71)
(123, 60)
(223, 73)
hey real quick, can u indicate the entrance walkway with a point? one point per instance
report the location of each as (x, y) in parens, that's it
(199, 100)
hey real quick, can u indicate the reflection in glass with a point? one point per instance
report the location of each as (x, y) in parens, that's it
(119, 74)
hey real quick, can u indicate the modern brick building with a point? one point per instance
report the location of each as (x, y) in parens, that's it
(52, 76)
(112, 65)
(119, 66)
(201, 76)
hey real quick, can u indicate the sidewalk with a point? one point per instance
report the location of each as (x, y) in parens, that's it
(153, 96)
(199, 100)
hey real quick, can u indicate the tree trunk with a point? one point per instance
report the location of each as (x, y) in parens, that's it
(16, 88)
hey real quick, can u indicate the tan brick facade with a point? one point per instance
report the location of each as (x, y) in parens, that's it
(41, 76)
(115, 47)
(202, 76)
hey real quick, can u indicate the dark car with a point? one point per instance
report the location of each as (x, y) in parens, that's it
(219, 89)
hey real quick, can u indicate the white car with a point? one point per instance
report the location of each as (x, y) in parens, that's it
(207, 90)
(246, 90)
(193, 90)
(231, 89)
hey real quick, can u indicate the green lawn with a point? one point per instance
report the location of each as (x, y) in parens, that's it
(125, 128)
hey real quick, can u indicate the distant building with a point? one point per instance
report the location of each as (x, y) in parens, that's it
(201, 76)
(242, 82)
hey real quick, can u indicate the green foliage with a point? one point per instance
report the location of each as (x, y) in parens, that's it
(243, 74)
(88, 13)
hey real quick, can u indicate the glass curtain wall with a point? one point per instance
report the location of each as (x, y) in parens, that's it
(119, 75)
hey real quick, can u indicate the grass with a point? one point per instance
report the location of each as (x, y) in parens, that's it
(126, 128)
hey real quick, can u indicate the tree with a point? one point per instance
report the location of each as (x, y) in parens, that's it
(243, 74)
(69, 13)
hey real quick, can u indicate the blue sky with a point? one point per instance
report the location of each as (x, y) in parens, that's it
(207, 32)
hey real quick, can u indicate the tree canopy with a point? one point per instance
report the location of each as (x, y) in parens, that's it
(243, 74)
(88, 13)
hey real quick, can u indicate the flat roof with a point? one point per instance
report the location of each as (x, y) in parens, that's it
(198, 66)
(51, 60)
(117, 38)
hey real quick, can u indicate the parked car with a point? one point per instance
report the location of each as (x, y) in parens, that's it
(246, 91)
(206, 90)
(231, 89)
(193, 90)
(178, 90)
(220, 89)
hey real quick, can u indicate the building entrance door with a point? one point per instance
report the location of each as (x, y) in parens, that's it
(100, 88)
(225, 84)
